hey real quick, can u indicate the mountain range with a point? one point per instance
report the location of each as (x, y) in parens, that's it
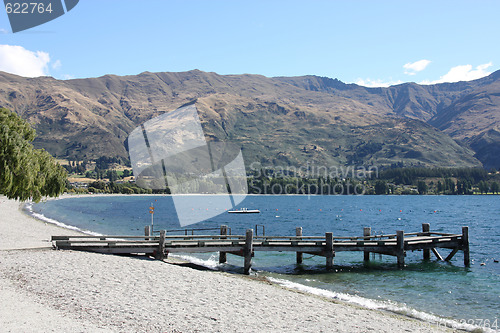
(279, 121)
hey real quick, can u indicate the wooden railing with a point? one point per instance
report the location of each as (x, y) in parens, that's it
(245, 245)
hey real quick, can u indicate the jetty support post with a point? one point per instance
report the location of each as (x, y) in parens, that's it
(367, 233)
(329, 253)
(400, 248)
(298, 233)
(465, 245)
(223, 255)
(147, 232)
(160, 253)
(437, 254)
(248, 250)
(425, 229)
(452, 254)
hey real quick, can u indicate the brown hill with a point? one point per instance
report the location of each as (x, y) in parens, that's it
(467, 111)
(474, 119)
(278, 121)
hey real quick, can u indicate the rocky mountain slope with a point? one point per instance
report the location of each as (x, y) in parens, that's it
(277, 121)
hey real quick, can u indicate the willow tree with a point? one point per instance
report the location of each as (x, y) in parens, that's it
(26, 172)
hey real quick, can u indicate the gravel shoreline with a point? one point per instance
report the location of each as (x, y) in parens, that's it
(44, 290)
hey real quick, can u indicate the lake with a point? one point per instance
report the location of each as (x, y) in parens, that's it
(428, 290)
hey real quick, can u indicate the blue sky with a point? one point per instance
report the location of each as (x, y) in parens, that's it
(366, 42)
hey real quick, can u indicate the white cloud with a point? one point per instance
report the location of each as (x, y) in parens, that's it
(17, 60)
(57, 64)
(376, 83)
(463, 73)
(412, 68)
(3, 31)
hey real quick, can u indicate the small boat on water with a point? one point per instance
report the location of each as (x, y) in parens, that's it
(244, 211)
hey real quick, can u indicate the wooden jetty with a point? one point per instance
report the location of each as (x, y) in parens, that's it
(246, 245)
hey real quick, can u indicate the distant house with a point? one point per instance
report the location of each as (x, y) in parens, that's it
(79, 184)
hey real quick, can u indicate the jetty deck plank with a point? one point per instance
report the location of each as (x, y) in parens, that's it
(393, 244)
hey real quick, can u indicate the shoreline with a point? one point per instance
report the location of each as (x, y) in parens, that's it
(284, 194)
(343, 307)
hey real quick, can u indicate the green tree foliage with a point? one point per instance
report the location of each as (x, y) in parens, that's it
(422, 187)
(409, 176)
(380, 187)
(439, 187)
(26, 172)
(102, 187)
(104, 162)
(75, 167)
(112, 175)
(464, 187)
(449, 186)
(483, 187)
(495, 187)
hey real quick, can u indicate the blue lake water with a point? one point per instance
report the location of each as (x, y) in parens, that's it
(421, 289)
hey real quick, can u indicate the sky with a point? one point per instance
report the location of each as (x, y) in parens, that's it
(371, 43)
